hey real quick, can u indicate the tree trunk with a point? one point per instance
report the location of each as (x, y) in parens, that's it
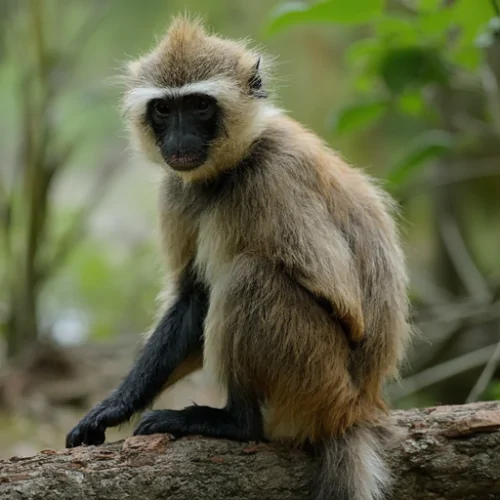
(448, 452)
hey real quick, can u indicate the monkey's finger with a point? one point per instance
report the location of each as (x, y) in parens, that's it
(113, 416)
(154, 422)
(74, 438)
(94, 435)
(143, 428)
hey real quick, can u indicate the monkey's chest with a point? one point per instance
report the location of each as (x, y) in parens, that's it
(216, 246)
(212, 253)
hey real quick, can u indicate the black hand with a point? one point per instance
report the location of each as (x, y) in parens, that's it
(91, 429)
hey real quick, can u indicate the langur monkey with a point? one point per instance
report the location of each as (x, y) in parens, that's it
(285, 277)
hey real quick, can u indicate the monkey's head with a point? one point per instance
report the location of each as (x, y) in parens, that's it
(196, 102)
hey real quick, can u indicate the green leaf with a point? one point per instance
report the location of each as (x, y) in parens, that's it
(429, 146)
(435, 23)
(410, 67)
(411, 103)
(396, 29)
(429, 5)
(363, 59)
(362, 50)
(471, 17)
(358, 116)
(365, 82)
(333, 11)
(467, 57)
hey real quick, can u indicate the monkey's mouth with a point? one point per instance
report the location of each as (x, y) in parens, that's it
(185, 162)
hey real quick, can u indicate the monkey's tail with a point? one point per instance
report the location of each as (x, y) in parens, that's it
(353, 466)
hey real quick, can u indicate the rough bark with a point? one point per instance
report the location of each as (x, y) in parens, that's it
(447, 452)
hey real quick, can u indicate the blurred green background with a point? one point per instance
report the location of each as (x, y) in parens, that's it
(406, 89)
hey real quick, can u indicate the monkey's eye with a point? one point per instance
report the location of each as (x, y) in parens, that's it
(199, 103)
(202, 104)
(161, 108)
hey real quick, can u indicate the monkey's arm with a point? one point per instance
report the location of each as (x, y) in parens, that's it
(322, 263)
(172, 350)
(344, 305)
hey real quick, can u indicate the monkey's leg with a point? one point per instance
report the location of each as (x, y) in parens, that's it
(273, 345)
(171, 351)
(240, 420)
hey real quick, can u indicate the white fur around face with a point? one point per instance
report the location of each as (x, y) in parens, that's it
(137, 99)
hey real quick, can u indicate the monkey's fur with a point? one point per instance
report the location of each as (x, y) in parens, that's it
(296, 259)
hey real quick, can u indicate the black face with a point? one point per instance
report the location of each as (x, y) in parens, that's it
(184, 128)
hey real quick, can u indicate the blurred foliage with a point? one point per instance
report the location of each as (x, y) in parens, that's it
(411, 46)
(34, 247)
(337, 11)
(436, 65)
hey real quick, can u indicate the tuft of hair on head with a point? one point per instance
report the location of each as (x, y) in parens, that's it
(188, 53)
(190, 59)
(186, 27)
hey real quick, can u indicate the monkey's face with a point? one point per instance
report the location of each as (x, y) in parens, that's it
(184, 128)
(196, 102)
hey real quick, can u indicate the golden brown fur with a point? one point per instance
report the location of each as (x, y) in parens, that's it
(308, 303)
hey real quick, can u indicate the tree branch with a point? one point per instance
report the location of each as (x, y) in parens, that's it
(72, 236)
(465, 267)
(486, 376)
(443, 452)
(441, 372)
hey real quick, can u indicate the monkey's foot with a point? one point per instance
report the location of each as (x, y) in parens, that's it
(200, 420)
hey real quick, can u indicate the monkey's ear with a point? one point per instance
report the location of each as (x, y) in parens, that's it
(255, 82)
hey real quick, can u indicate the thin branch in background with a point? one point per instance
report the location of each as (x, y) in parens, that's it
(444, 371)
(3, 190)
(83, 35)
(471, 313)
(492, 91)
(447, 343)
(37, 177)
(462, 261)
(450, 312)
(496, 293)
(428, 291)
(485, 377)
(485, 167)
(5, 219)
(73, 235)
(471, 125)
(41, 58)
(464, 318)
